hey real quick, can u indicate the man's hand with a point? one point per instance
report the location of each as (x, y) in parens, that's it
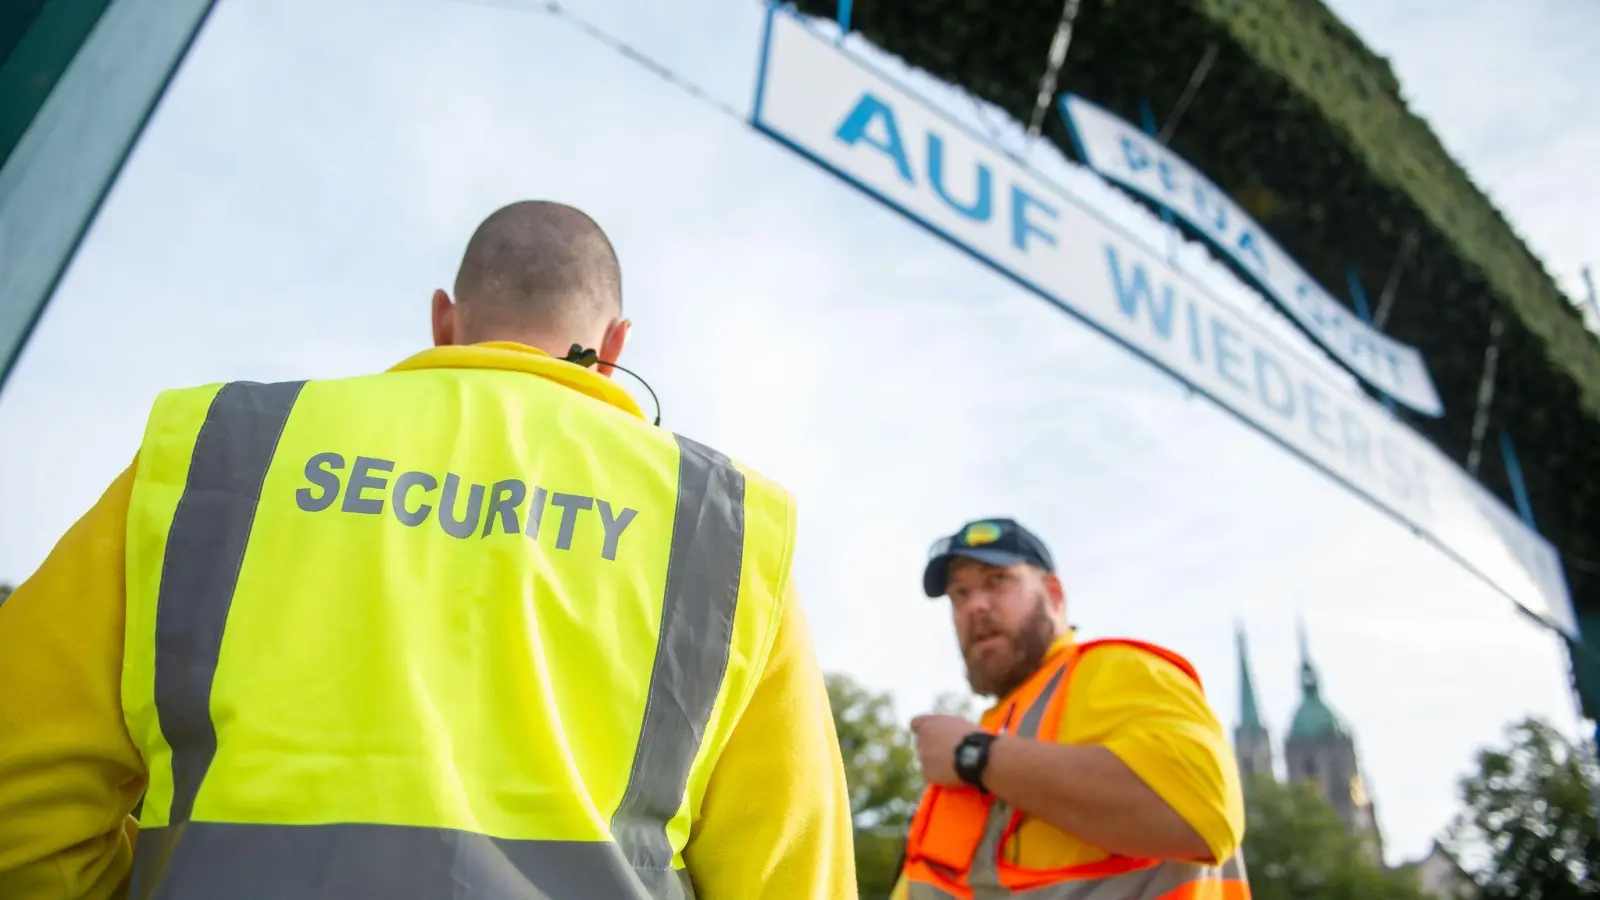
(937, 737)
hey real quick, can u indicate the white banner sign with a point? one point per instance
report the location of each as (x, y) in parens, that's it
(1133, 159)
(834, 109)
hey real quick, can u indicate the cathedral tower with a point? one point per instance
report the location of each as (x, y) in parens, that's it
(1251, 743)
(1321, 750)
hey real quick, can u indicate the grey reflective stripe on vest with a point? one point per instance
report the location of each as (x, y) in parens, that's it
(702, 595)
(983, 876)
(228, 861)
(1029, 726)
(206, 543)
(205, 548)
(916, 890)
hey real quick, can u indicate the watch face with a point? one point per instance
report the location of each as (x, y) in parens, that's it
(968, 755)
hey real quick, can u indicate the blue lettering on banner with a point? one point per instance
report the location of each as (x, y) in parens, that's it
(1020, 226)
(1394, 362)
(1247, 246)
(1214, 214)
(1195, 349)
(1164, 169)
(1133, 155)
(1210, 212)
(1272, 384)
(872, 122)
(1251, 369)
(1312, 311)
(1130, 292)
(868, 110)
(1317, 416)
(1356, 442)
(1224, 342)
(979, 208)
(1261, 377)
(1126, 156)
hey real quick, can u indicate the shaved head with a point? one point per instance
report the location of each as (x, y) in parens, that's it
(538, 268)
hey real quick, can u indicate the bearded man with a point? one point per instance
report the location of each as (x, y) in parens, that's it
(1101, 773)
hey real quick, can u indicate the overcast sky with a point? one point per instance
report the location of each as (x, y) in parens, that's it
(317, 167)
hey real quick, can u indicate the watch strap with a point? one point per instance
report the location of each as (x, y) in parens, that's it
(972, 758)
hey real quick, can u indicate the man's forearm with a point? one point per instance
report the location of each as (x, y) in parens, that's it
(1088, 792)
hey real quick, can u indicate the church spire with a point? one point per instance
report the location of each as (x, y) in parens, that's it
(1251, 742)
(1249, 715)
(1321, 750)
(1310, 685)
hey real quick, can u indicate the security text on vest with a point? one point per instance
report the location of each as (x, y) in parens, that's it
(509, 506)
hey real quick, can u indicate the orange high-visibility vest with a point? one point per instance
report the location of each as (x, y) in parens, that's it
(955, 847)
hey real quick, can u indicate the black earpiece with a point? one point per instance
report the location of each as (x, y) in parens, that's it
(588, 357)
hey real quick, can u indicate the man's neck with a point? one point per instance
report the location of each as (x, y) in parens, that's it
(553, 346)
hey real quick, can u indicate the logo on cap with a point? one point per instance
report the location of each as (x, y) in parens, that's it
(979, 533)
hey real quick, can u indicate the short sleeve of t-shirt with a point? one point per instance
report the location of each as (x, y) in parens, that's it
(1155, 718)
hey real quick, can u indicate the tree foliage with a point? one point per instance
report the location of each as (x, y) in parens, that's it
(1528, 828)
(880, 765)
(5, 591)
(880, 761)
(1297, 848)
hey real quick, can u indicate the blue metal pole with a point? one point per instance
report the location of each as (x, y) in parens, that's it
(1577, 648)
(1359, 295)
(844, 17)
(1519, 488)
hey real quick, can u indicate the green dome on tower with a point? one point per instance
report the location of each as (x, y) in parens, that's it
(1314, 718)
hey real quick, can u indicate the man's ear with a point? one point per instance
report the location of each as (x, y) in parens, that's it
(446, 326)
(1058, 595)
(611, 345)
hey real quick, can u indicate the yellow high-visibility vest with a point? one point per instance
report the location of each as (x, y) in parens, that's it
(456, 633)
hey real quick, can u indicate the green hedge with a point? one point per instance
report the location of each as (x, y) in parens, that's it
(1305, 127)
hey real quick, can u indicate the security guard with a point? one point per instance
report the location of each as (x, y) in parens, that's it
(467, 629)
(1100, 774)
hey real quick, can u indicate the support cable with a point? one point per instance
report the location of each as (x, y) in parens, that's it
(1408, 245)
(1057, 58)
(1198, 76)
(1480, 419)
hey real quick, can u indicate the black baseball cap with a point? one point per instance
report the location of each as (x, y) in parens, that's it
(997, 542)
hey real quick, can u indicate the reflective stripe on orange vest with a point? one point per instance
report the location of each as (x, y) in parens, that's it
(954, 849)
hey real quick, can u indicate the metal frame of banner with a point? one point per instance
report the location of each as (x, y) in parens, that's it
(56, 179)
(1358, 295)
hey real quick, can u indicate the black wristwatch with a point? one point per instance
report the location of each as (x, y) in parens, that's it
(972, 757)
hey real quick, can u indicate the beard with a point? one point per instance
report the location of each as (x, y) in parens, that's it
(995, 671)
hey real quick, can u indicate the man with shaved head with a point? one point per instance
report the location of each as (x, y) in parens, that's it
(539, 273)
(468, 628)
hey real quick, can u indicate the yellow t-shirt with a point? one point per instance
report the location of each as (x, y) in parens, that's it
(1155, 718)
